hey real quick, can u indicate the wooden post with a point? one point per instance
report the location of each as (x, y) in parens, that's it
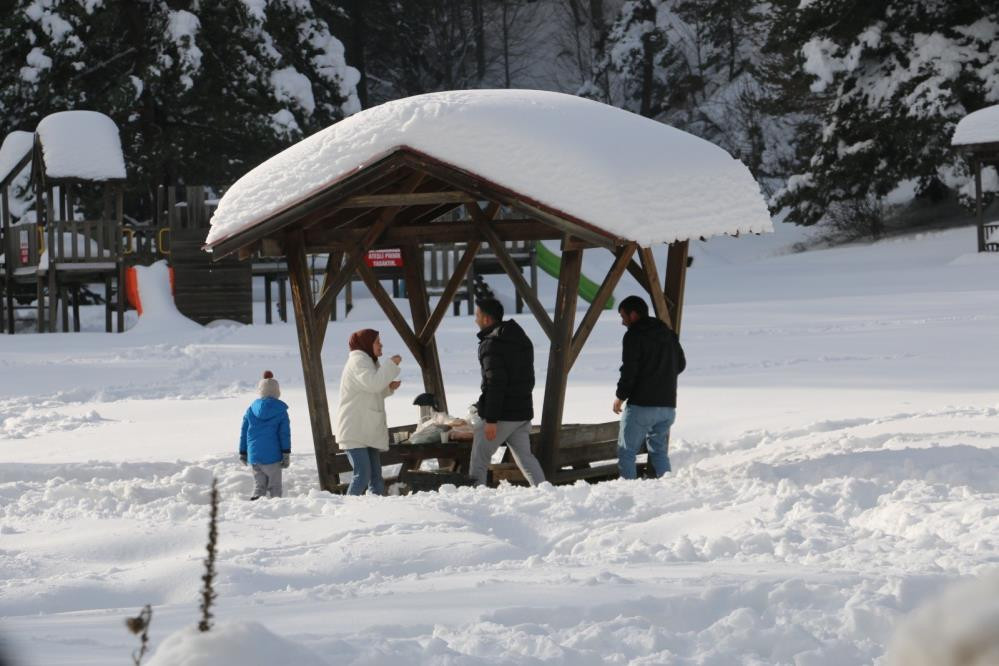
(312, 366)
(76, 309)
(654, 288)
(119, 209)
(558, 358)
(267, 299)
(416, 291)
(676, 278)
(978, 205)
(9, 263)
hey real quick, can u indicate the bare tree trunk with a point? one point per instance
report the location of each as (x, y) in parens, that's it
(356, 46)
(480, 38)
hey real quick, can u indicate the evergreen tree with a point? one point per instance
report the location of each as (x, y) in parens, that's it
(202, 90)
(893, 79)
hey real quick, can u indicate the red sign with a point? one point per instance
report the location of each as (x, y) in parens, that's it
(24, 254)
(384, 258)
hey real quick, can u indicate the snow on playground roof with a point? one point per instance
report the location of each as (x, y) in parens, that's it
(980, 126)
(81, 144)
(15, 146)
(630, 176)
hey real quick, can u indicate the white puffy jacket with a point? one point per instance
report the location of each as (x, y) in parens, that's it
(360, 418)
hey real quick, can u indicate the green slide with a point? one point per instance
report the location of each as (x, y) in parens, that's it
(551, 263)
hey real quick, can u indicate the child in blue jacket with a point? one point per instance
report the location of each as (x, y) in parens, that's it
(265, 439)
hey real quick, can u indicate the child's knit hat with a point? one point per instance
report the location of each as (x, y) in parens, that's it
(268, 386)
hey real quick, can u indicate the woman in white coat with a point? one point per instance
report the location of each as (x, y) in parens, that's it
(361, 427)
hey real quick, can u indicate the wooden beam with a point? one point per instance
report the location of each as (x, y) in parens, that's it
(318, 204)
(412, 199)
(558, 359)
(354, 258)
(427, 332)
(482, 221)
(486, 190)
(388, 306)
(419, 306)
(978, 205)
(623, 256)
(655, 288)
(458, 231)
(310, 349)
(676, 279)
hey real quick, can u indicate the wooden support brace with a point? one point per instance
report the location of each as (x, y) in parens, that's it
(482, 220)
(396, 318)
(655, 288)
(624, 255)
(427, 332)
(385, 219)
(419, 306)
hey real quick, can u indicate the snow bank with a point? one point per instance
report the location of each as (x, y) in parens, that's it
(235, 644)
(14, 147)
(959, 628)
(981, 126)
(634, 177)
(81, 144)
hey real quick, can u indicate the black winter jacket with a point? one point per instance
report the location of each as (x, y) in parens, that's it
(506, 355)
(651, 359)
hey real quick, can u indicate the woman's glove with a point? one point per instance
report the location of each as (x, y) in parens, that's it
(242, 458)
(285, 461)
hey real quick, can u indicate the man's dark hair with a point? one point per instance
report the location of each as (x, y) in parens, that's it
(491, 307)
(634, 304)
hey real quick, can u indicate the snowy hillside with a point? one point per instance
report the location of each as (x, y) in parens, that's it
(836, 462)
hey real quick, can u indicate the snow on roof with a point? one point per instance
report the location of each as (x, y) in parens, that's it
(631, 176)
(15, 146)
(81, 144)
(980, 126)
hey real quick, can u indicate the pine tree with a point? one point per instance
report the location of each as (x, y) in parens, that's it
(894, 78)
(201, 90)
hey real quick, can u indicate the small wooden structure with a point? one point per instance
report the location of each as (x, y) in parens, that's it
(396, 203)
(77, 252)
(977, 138)
(203, 290)
(77, 173)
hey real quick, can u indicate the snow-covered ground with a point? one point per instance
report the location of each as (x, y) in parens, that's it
(836, 464)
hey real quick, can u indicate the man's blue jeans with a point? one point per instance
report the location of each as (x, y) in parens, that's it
(649, 426)
(367, 465)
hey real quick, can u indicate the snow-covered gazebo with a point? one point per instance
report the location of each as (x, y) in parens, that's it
(977, 136)
(573, 170)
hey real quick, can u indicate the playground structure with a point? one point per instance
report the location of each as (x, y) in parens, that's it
(977, 137)
(74, 237)
(401, 197)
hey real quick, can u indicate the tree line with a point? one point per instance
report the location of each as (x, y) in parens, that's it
(839, 107)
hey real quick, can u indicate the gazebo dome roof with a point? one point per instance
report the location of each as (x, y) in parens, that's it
(631, 177)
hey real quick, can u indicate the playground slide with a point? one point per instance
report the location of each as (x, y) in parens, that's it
(551, 263)
(150, 290)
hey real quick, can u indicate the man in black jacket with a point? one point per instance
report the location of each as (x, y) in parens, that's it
(651, 359)
(506, 406)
